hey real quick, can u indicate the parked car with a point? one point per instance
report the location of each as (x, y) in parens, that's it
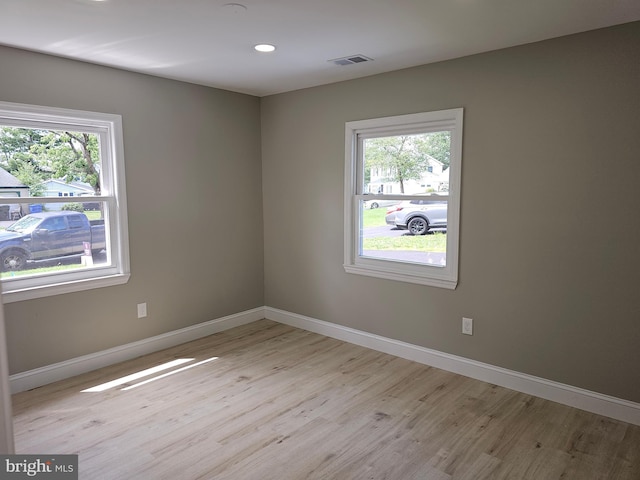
(47, 235)
(377, 203)
(419, 216)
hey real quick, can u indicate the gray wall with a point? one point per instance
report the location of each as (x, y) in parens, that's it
(549, 250)
(549, 262)
(195, 208)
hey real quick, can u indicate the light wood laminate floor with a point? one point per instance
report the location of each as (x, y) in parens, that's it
(282, 403)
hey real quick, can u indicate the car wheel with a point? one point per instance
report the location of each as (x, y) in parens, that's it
(374, 205)
(418, 226)
(13, 260)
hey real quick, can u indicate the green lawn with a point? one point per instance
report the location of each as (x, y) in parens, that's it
(38, 271)
(93, 214)
(435, 242)
(374, 217)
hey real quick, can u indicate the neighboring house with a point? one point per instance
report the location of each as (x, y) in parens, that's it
(11, 187)
(435, 179)
(60, 188)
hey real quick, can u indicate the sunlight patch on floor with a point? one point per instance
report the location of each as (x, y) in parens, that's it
(134, 376)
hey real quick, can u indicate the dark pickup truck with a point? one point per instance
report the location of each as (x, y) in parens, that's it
(47, 235)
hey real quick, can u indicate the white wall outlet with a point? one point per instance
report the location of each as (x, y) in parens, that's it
(142, 310)
(467, 326)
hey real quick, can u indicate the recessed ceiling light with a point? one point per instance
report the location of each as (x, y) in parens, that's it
(236, 8)
(265, 47)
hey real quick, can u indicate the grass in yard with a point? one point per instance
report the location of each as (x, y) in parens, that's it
(435, 242)
(374, 217)
(93, 214)
(36, 271)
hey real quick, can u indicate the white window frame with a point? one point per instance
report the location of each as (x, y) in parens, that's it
(355, 133)
(113, 195)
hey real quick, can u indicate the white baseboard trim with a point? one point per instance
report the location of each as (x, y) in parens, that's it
(589, 401)
(21, 382)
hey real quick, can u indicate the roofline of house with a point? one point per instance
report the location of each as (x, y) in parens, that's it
(60, 182)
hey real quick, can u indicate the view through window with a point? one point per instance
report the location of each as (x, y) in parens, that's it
(412, 226)
(34, 236)
(62, 209)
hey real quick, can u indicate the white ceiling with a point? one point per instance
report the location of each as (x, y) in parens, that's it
(210, 42)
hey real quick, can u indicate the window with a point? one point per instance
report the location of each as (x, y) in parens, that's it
(75, 221)
(53, 224)
(55, 242)
(414, 238)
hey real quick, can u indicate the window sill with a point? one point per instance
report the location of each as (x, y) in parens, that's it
(402, 277)
(71, 286)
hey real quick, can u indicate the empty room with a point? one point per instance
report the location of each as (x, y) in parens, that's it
(320, 240)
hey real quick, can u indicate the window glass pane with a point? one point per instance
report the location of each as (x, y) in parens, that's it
(407, 164)
(44, 237)
(410, 231)
(53, 237)
(50, 162)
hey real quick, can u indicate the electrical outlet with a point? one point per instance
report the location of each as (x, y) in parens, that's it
(142, 310)
(467, 326)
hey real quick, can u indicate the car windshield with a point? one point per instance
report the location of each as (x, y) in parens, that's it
(25, 224)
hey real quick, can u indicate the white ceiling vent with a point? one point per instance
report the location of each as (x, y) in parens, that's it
(351, 59)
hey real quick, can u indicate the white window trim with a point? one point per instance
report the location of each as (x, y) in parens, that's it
(355, 131)
(113, 192)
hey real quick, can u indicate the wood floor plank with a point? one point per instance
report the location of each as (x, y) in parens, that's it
(282, 403)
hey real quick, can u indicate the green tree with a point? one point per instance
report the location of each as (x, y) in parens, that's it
(34, 156)
(406, 157)
(438, 145)
(28, 175)
(17, 158)
(76, 159)
(17, 140)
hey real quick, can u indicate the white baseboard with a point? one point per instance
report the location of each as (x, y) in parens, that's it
(21, 382)
(589, 401)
